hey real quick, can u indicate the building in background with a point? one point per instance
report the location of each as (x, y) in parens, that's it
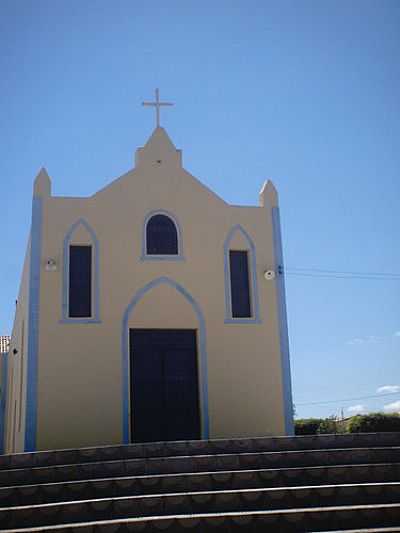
(152, 310)
(4, 343)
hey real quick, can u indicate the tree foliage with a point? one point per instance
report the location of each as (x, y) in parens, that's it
(371, 423)
(307, 426)
(374, 422)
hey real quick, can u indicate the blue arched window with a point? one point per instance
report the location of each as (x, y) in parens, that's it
(80, 295)
(161, 236)
(241, 291)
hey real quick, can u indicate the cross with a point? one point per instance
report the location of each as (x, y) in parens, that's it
(157, 104)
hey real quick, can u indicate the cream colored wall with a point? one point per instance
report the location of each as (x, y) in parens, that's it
(17, 367)
(80, 374)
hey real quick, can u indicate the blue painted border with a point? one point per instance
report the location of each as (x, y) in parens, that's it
(176, 257)
(203, 372)
(33, 324)
(255, 319)
(283, 326)
(95, 319)
(3, 401)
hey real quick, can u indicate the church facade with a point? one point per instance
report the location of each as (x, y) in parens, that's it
(152, 310)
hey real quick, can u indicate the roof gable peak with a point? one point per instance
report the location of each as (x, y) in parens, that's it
(159, 149)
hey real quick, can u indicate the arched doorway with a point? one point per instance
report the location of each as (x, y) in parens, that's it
(164, 365)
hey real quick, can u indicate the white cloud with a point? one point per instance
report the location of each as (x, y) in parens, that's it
(359, 408)
(356, 341)
(370, 339)
(393, 407)
(388, 389)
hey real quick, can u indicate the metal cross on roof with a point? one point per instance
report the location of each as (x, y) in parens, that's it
(157, 104)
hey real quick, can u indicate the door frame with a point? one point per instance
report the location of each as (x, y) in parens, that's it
(201, 356)
(131, 365)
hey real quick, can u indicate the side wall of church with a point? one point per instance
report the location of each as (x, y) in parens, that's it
(15, 410)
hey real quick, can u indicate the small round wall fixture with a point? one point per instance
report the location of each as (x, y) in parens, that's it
(269, 275)
(51, 265)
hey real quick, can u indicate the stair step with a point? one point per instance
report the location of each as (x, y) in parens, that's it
(197, 447)
(198, 481)
(198, 463)
(374, 530)
(200, 502)
(282, 521)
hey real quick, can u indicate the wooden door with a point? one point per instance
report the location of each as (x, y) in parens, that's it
(164, 385)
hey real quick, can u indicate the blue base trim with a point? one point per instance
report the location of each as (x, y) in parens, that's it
(255, 305)
(203, 372)
(283, 327)
(242, 321)
(96, 279)
(79, 321)
(33, 325)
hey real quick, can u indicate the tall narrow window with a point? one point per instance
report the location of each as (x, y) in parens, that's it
(80, 281)
(161, 236)
(240, 286)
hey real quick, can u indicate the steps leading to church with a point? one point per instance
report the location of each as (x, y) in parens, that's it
(198, 481)
(326, 483)
(197, 447)
(195, 503)
(198, 463)
(337, 518)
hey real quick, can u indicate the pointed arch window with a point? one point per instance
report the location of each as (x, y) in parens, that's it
(161, 237)
(241, 288)
(80, 296)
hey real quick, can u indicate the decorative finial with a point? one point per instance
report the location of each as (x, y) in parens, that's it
(42, 184)
(157, 104)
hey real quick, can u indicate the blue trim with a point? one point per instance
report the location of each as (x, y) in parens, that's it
(242, 321)
(79, 321)
(203, 374)
(176, 257)
(283, 326)
(3, 400)
(255, 319)
(33, 324)
(95, 319)
(162, 258)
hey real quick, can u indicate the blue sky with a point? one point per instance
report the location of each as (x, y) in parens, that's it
(303, 92)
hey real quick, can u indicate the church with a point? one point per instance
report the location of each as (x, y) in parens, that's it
(150, 311)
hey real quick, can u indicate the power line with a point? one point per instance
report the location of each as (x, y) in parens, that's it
(344, 272)
(341, 274)
(335, 276)
(349, 399)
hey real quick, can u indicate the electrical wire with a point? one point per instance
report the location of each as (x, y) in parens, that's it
(341, 274)
(332, 276)
(347, 272)
(349, 399)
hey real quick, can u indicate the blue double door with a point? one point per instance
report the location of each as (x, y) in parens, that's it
(164, 385)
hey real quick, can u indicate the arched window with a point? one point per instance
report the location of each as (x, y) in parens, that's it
(161, 236)
(241, 291)
(80, 296)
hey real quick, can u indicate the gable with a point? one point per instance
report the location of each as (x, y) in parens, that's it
(159, 177)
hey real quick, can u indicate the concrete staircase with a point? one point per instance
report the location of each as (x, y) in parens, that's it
(284, 484)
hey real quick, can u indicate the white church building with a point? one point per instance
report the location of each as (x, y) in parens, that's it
(150, 311)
